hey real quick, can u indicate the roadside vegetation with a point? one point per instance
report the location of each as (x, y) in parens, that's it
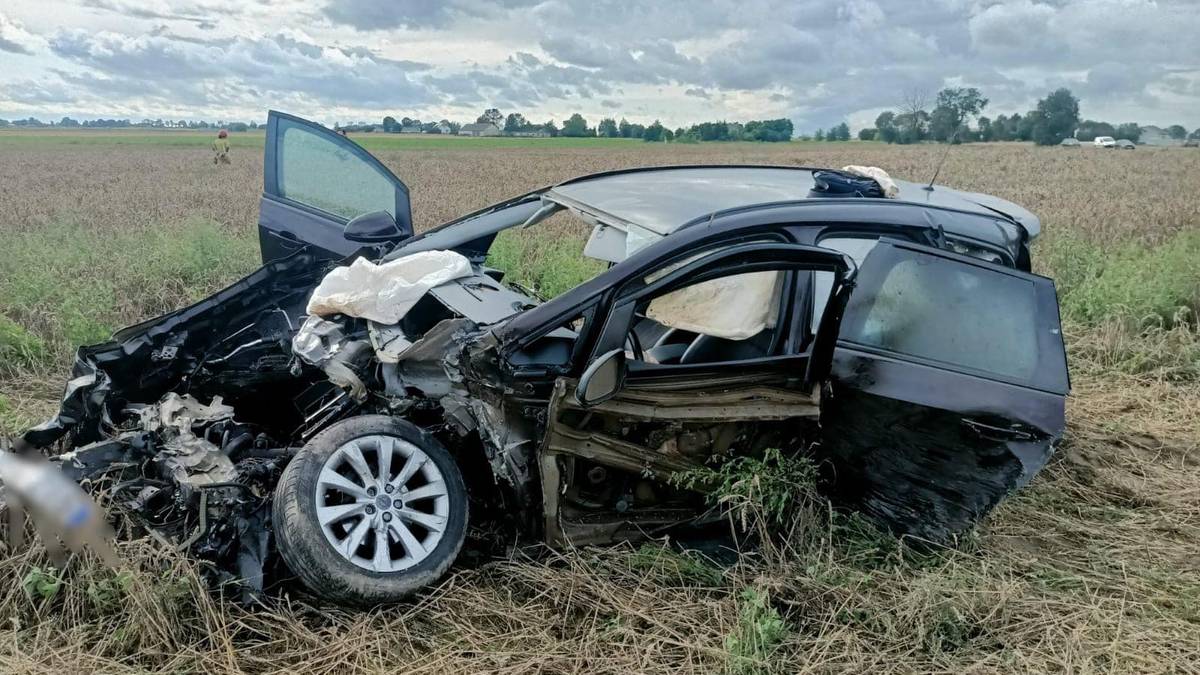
(1091, 568)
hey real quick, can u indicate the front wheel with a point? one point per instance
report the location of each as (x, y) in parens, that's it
(370, 510)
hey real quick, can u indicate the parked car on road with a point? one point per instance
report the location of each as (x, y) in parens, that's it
(1104, 142)
(901, 343)
(1124, 144)
(1070, 143)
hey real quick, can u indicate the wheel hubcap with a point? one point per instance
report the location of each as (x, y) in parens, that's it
(382, 503)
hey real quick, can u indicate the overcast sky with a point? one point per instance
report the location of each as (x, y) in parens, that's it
(815, 61)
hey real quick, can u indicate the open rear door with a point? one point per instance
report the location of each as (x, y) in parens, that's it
(315, 181)
(948, 388)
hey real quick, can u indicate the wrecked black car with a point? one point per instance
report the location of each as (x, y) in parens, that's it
(359, 399)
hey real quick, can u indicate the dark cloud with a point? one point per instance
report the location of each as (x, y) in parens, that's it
(14, 47)
(820, 61)
(375, 15)
(162, 65)
(14, 38)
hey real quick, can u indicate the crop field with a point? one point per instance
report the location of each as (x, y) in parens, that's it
(1093, 567)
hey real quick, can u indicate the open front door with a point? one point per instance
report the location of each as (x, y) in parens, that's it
(315, 181)
(724, 377)
(948, 388)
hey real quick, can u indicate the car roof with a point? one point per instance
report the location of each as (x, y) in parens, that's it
(663, 199)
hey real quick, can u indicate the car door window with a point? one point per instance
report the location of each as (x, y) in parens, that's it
(315, 170)
(855, 247)
(729, 318)
(944, 309)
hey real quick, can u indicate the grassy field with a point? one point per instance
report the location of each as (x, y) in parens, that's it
(1094, 567)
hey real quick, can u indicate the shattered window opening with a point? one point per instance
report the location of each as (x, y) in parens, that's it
(936, 309)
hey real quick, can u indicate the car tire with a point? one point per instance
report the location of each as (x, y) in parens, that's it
(320, 548)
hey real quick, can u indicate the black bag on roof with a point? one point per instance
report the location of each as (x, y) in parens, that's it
(829, 183)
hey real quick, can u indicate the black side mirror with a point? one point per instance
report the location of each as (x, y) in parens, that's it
(602, 379)
(373, 228)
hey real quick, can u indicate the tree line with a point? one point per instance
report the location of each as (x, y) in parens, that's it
(957, 117)
(70, 123)
(577, 126)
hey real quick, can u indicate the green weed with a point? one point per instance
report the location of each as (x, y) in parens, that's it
(759, 631)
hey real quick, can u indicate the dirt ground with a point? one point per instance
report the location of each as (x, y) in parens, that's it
(1094, 567)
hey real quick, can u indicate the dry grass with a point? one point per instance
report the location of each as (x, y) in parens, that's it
(1092, 568)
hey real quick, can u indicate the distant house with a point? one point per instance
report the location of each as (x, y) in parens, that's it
(479, 129)
(532, 133)
(1152, 135)
(442, 128)
(411, 129)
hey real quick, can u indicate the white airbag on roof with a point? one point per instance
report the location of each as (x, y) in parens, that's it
(384, 293)
(735, 307)
(889, 187)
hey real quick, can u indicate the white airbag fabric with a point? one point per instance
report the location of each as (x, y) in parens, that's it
(889, 187)
(384, 293)
(734, 308)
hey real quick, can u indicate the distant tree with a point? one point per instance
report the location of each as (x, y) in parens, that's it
(4, 123)
(1055, 117)
(238, 127)
(1176, 131)
(608, 128)
(1088, 130)
(819, 135)
(454, 126)
(955, 108)
(913, 120)
(68, 122)
(912, 127)
(841, 132)
(1195, 133)
(1023, 126)
(515, 122)
(668, 135)
(390, 125)
(680, 132)
(551, 128)
(430, 128)
(866, 134)
(771, 131)
(985, 128)
(491, 115)
(885, 124)
(654, 132)
(625, 129)
(1129, 130)
(576, 127)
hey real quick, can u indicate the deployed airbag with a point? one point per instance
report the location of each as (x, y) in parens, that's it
(384, 293)
(734, 308)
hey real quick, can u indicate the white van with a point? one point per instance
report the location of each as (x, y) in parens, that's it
(1104, 142)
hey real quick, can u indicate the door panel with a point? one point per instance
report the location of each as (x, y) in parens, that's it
(947, 388)
(314, 182)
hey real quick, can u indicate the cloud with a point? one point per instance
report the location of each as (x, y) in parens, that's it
(817, 62)
(15, 39)
(228, 68)
(372, 15)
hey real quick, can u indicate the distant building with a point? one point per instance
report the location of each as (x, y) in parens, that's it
(411, 129)
(1152, 135)
(532, 133)
(479, 129)
(442, 128)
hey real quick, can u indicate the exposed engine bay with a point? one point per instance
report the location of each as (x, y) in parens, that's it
(187, 421)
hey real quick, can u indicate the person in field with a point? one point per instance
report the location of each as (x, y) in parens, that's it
(221, 148)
